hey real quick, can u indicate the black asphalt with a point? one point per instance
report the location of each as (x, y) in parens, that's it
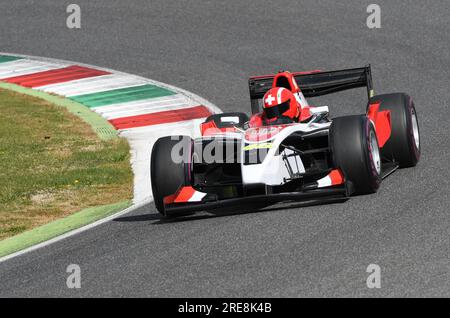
(210, 48)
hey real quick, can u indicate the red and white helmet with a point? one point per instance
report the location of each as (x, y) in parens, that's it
(279, 102)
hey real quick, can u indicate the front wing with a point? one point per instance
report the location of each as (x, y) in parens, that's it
(187, 199)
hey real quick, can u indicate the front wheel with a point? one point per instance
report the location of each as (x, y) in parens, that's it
(169, 167)
(354, 147)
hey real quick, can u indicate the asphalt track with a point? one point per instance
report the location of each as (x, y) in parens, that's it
(210, 48)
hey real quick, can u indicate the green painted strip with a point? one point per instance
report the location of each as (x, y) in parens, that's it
(100, 125)
(122, 95)
(9, 58)
(117, 93)
(59, 227)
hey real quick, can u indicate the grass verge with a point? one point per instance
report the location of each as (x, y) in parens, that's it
(53, 164)
(53, 229)
(101, 127)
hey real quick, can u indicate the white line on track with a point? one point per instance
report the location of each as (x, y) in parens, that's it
(73, 232)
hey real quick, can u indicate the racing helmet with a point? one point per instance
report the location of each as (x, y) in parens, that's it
(280, 102)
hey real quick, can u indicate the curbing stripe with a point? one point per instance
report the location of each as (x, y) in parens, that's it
(122, 95)
(91, 85)
(143, 107)
(55, 76)
(164, 117)
(6, 58)
(24, 67)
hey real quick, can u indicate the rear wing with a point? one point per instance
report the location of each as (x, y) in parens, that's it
(315, 83)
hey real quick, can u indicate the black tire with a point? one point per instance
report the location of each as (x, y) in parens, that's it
(166, 175)
(351, 140)
(401, 146)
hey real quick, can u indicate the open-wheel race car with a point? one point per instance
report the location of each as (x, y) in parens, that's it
(268, 158)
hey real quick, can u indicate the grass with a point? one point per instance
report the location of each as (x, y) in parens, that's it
(58, 227)
(52, 164)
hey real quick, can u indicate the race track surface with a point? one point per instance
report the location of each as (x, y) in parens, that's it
(210, 48)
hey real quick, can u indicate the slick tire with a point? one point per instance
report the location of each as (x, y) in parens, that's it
(404, 144)
(169, 173)
(355, 151)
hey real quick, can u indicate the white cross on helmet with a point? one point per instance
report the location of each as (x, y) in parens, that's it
(270, 99)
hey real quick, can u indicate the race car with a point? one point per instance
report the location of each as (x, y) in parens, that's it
(234, 164)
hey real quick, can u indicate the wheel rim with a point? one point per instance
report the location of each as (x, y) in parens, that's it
(415, 127)
(375, 152)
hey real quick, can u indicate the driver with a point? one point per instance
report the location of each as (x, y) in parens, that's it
(280, 107)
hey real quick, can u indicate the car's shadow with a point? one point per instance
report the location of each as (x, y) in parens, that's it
(158, 219)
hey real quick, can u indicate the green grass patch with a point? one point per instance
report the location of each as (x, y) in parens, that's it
(54, 164)
(58, 227)
(101, 126)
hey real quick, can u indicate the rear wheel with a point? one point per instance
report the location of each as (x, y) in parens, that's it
(169, 171)
(355, 151)
(404, 144)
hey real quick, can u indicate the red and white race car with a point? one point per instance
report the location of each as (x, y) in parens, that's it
(235, 164)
